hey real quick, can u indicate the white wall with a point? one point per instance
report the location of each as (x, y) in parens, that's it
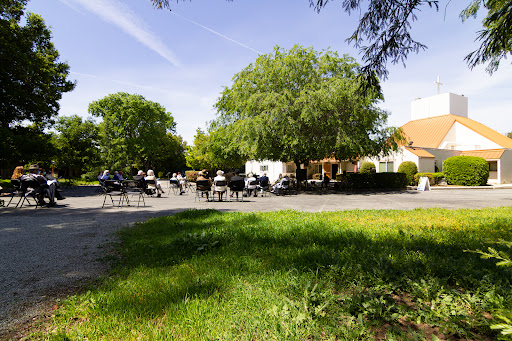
(461, 137)
(442, 104)
(505, 167)
(274, 168)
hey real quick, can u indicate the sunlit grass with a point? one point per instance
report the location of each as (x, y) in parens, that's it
(203, 275)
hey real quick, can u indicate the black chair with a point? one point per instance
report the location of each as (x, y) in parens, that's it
(135, 188)
(264, 187)
(254, 187)
(151, 188)
(202, 187)
(26, 189)
(219, 187)
(175, 186)
(112, 188)
(236, 186)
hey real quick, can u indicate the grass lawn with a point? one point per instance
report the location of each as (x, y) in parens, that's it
(351, 275)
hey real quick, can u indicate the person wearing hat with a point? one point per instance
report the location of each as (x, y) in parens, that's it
(219, 184)
(43, 189)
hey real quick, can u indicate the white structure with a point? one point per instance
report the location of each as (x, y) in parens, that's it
(440, 128)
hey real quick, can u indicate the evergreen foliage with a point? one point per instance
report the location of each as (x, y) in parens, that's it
(409, 168)
(466, 170)
(366, 167)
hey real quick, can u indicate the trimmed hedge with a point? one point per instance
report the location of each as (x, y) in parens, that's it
(433, 178)
(366, 167)
(466, 170)
(409, 168)
(371, 180)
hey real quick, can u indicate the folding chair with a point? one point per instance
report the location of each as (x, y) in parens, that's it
(202, 187)
(174, 186)
(136, 188)
(112, 188)
(219, 187)
(151, 188)
(28, 188)
(253, 186)
(264, 187)
(236, 187)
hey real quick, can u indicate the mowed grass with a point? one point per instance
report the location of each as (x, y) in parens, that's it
(352, 275)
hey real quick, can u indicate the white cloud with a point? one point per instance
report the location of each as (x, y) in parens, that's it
(118, 14)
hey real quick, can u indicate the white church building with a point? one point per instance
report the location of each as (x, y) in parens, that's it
(440, 128)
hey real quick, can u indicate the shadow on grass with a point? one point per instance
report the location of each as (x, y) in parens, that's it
(250, 245)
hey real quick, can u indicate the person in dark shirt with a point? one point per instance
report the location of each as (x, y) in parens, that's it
(236, 180)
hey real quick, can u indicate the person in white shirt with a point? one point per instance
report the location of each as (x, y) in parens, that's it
(158, 186)
(182, 180)
(219, 189)
(251, 185)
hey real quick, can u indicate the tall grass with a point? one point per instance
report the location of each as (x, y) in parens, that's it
(352, 275)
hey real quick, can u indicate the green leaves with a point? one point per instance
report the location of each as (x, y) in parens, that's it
(302, 105)
(133, 128)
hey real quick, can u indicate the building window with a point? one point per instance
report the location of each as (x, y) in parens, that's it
(264, 168)
(386, 166)
(317, 168)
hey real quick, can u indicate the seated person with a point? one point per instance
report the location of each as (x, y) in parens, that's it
(251, 184)
(218, 187)
(174, 180)
(284, 183)
(204, 184)
(263, 182)
(18, 172)
(118, 176)
(326, 180)
(43, 189)
(139, 178)
(182, 182)
(106, 175)
(157, 186)
(236, 183)
(51, 179)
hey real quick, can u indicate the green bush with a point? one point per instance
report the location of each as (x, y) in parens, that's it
(409, 168)
(371, 180)
(466, 170)
(430, 177)
(92, 175)
(366, 167)
(438, 176)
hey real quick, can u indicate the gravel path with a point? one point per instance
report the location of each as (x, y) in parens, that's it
(47, 253)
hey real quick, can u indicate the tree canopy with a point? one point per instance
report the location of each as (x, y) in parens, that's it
(301, 105)
(32, 79)
(133, 128)
(385, 26)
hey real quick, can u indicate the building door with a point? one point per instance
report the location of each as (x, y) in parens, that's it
(334, 170)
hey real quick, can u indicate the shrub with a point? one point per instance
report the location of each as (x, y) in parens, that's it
(430, 177)
(437, 177)
(466, 170)
(317, 176)
(92, 175)
(191, 175)
(409, 168)
(366, 167)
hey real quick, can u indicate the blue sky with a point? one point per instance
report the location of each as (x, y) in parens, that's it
(183, 59)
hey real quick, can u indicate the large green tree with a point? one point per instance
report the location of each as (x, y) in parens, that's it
(77, 143)
(214, 150)
(133, 129)
(171, 154)
(32, 79)
(302, 105)
(383, 32)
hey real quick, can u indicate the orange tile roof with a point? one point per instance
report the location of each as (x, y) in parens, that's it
(419, 152)
(430, 132)
(487, 154)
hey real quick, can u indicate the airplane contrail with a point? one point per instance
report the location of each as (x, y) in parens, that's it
(217, 33)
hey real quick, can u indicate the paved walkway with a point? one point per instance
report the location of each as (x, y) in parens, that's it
(48, 252)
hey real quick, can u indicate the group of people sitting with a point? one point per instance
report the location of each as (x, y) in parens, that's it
(179, 181)
(250, 184)
(38, 184)
(146, 180)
